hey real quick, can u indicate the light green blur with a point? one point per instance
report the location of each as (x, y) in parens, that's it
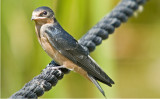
(131, 56)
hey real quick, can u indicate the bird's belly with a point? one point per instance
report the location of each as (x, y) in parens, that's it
(60, 59)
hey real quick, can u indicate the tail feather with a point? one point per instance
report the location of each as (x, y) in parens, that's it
(97, 85)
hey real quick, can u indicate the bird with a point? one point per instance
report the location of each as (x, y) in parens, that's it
(65, 50)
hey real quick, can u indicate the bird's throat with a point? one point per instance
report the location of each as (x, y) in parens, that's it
(39, 24)
(38, 27)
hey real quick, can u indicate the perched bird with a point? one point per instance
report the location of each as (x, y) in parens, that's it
(65, 50)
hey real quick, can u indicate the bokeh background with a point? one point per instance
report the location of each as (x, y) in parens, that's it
(131, 56)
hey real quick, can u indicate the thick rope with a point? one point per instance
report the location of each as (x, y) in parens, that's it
(49, 77)
(107, 25)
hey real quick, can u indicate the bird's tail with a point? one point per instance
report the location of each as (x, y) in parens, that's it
(97, 85)
(100, 75)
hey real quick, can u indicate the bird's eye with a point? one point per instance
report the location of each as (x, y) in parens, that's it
(44, 13)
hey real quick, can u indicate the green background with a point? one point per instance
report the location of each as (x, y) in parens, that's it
(131, 56)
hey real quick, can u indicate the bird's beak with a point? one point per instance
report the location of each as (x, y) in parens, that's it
(33, 18)
(37, 18)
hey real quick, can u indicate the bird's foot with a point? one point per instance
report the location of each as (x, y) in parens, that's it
(56, 67)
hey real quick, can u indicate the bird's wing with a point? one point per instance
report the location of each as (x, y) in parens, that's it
(70, 48)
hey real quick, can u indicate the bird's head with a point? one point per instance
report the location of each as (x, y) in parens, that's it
(43, 15)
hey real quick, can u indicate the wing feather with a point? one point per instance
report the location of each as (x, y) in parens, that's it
(70, 48)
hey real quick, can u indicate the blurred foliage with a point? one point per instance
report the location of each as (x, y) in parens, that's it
(130, 56)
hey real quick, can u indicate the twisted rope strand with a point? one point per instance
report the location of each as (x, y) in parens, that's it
(107, 25)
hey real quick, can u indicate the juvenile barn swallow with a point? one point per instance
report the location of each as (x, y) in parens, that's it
(65, 50)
